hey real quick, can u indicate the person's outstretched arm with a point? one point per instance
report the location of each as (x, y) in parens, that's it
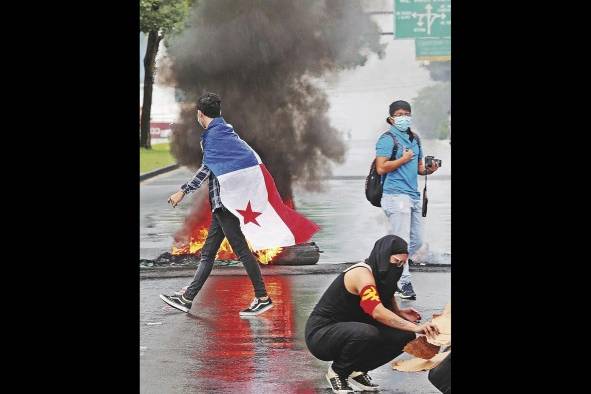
(361, 281)
(409, 314)
(189, 187)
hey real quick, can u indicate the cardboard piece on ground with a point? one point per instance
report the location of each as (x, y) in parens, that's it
(419, 364)
(441, 340)
(443, 323)
(421, 348)
(424, 348)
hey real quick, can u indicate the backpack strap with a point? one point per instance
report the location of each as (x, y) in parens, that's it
(395, 148)
(419, 143)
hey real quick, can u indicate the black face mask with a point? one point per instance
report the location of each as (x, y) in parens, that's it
(387, 285)
(386, 274)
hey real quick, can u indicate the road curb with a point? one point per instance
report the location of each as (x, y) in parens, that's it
(269, 270)
(151, 174)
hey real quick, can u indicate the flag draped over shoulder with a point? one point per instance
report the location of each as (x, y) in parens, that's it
(249, 192)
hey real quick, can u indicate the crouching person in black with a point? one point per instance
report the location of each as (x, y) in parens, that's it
(357, 324)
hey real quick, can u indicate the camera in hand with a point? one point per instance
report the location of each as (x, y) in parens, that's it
(429, 160)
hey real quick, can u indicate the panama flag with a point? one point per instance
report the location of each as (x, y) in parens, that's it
(249, 192)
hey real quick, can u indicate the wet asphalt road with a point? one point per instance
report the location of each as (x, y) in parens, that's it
(349, 225)
(214, 350)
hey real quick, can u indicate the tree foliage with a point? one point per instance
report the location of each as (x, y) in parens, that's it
(158, 18)
(430, 111)
(163, 16)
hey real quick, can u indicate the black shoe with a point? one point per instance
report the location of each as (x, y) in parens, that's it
(338, 384)
(177, 301)
(360, 381)
(413, 264)
(407, 292)
(257, 307)
(180, 292)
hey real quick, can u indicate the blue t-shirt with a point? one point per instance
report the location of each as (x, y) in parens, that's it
(404, 179)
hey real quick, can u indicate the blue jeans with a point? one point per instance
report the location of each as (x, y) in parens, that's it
(404, 215)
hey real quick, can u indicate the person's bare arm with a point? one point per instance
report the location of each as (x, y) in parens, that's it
(409, 314)
(395, 308)
(357, 279)
(384, 165)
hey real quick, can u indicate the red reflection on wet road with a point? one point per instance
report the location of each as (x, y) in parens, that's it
(237, 352)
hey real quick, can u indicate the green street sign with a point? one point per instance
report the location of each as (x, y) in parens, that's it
(433, 49)
(422, 18)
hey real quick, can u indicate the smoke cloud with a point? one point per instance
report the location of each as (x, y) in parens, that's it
(262, 57)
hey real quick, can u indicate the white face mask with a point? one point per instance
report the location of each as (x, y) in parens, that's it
(403, 122)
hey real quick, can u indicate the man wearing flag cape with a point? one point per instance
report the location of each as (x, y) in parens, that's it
(245, 206)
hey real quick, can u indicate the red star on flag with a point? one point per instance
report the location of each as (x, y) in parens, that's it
(250, 216)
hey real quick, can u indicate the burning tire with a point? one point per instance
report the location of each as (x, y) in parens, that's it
(302, 254)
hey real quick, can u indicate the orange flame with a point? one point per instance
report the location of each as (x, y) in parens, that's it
(225, 251)
(191, 238)
(266, 256)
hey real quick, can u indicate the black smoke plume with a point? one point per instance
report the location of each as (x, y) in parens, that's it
(261, 57)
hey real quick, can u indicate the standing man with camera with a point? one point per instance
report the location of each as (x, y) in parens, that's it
(401, 199)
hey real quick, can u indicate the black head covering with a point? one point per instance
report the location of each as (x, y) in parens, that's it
(386, 274)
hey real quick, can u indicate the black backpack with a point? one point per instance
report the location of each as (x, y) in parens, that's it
(373, 183)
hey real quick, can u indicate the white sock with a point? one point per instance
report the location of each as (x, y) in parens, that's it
(331, 373)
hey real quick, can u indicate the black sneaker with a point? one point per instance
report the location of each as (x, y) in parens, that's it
(338, 384)
(177, 301)
(413, 264)
(180, 292)
(257, 306)
(407, 292)
(360, 381)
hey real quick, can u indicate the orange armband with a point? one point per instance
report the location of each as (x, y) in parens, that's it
(369, 299)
